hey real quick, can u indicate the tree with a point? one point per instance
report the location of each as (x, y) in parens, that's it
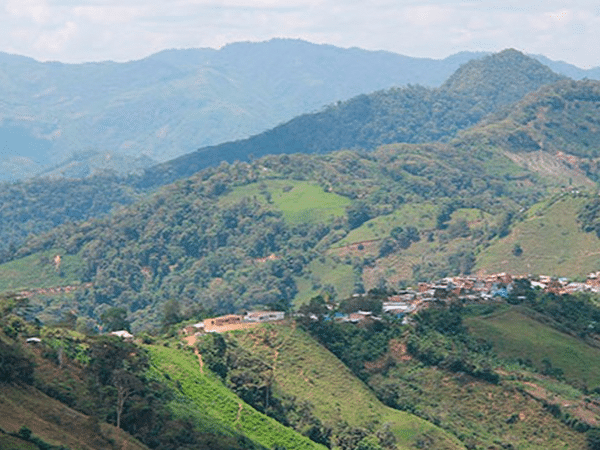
(517, 250)
(115, 319)
(171, 313)
(593, 438)
(126, 384)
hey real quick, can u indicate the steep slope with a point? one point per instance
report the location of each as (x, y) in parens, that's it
(551, 242)
(55, 423)
(76, 119)
(305, 370)
(553, 131)
(210, 397)
(412, 114)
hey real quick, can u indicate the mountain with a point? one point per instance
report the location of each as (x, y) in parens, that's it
(413, 114)
(71, 119)
(285, 227)
(74, 120)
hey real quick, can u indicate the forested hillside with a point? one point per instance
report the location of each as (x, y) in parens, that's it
(284, 227)
(413, 114)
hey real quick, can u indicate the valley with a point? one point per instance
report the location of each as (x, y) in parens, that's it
(429, 256)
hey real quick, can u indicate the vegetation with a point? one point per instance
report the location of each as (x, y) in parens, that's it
(310, 388)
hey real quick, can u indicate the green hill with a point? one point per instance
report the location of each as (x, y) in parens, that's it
(305, 370)
(516, 334)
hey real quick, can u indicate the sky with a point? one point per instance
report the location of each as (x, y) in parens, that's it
(123, 30)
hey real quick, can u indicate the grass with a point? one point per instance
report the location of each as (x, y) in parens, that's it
(420, 215)
(515, 335)
(321, 272)
(308, 371)
(299, 201)
(552, 243)
(39, 271)
(205, 397)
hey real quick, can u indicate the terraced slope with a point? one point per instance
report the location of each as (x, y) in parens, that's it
(206, 396)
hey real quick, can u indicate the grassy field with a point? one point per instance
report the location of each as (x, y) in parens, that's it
(205, 397)
(308, 371)
(420, 215)
(299, 201)
(324, 271)
(552, 243)
(39, 271)
(515, 335)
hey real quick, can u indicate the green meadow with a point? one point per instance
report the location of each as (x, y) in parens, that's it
(39, 271)
(299, 201)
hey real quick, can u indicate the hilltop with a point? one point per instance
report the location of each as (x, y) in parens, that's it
(74, 120)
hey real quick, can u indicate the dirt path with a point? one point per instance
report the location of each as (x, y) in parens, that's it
(191, 341)
(200, 361)
(239, 413)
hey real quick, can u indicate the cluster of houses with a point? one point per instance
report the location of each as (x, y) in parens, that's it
(401, 305)
(468, 288)
(500, 284)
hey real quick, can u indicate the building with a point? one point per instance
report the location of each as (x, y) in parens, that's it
(264, 316)
(123, 334)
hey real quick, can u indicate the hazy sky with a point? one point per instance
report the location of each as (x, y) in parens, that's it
(121, 30)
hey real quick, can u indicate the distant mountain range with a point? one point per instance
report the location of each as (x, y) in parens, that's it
(75, 120)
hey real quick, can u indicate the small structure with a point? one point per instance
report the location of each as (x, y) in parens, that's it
(33, 340)
(123, 334)
(264, 316)
(218, 323)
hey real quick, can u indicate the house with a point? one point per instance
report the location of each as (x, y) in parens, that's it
(264, 316)
(193, 329)
(123, 334)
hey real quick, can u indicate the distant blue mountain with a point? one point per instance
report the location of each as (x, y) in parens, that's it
(171, 103)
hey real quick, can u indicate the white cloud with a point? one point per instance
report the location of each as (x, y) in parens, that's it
(55, 41)
(36, 10)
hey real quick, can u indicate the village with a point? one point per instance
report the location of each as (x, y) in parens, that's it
(472, 289)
